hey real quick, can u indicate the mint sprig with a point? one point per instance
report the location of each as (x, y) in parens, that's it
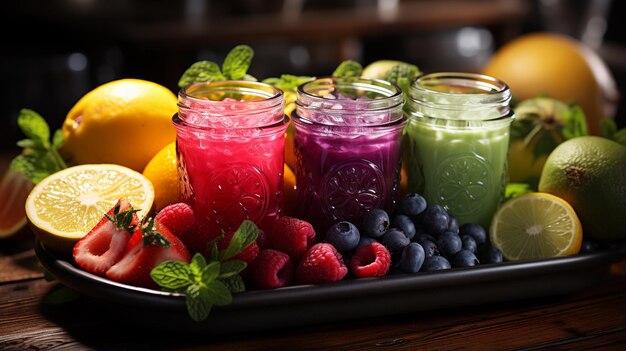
(348, 69)
(610, 131)
(234, 67)
(40, 156)
(207, 283)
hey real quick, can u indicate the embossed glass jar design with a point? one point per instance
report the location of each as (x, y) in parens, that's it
(348, 149)
(456, 143)
(230, 146)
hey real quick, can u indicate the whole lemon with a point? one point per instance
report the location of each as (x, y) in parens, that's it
(124, 122)
(557, 66)
(162, 171)
(589, 173)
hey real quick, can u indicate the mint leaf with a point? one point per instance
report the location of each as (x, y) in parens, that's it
(609, 131)
(198, 302)
(218, 293)
(287, 82)
(231, 268)
(40, 157)
(237, 62)
(516, 189)
(575, 122)
(210, 272)
(245, 235)
(201, 71)
(402, 74)
(34, 127)
(347, 69)
(234, 283)
(173, 275)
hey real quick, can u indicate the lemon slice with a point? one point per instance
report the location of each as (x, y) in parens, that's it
(536, 225)
(66, 205)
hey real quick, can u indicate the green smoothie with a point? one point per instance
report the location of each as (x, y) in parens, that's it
(456, 144)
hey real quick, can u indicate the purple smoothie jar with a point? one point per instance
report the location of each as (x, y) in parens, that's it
(348, 149)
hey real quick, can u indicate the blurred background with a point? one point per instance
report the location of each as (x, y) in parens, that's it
(55, 51)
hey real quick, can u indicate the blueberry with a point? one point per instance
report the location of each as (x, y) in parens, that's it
(412, 258)
(412, 204)
(435, 220)
(344, 236)
(430, 248)
(453, 224)
(469, 243)
(375, 223)
(589, 246)
(464, 258)
(449, 244)
(421, 234)
(435, 263)
(491, 255)
(405, 224)
(365, 240)
(475, 230)
(395, 241)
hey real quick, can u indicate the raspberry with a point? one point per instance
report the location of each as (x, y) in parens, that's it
(292, 236)
(372, 260)
(321, 264)
(261, 240)
(271, 269)
(178, 218)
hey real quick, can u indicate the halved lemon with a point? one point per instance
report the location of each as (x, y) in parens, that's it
(536, 225)
(66, 205)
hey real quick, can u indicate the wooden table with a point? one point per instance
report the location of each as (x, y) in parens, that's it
(594, 318)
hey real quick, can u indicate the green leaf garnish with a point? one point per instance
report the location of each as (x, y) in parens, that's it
(245, 235)
(235, 67)
(348, 69)
(403, 74)
(207, 283)
(237, 62)
(40, 157)
(287, 82)
(610, 131)
(516, 189)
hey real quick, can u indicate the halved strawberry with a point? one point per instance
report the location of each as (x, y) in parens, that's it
(150, 245)
(104, 245)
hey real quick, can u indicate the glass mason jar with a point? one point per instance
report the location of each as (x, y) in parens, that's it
(230, 146)
(456, 143)
(348, 135)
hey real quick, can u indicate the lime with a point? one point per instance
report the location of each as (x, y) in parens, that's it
(536, 225)
(66, 205)
(590, 173)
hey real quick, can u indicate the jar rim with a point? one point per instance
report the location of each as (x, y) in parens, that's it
(480, 80)
(260, 89)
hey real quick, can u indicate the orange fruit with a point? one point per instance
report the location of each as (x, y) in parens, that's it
(290, 196)
(162, 171)
(14, 189)
(123, 122)
(556, 66)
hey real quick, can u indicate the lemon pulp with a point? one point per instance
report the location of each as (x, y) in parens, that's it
(536, 225)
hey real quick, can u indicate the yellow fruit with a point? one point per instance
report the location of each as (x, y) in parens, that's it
(290, 196)
(124, 122)
(14, 189)
(590, 173)
(378, 69)
(64, 206)
(536, 225)
(162, 171)
(290, 153)
(557, 66)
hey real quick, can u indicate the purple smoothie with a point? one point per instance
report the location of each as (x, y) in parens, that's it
(348, 149)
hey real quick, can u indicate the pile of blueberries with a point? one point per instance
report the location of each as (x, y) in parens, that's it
(420, 237)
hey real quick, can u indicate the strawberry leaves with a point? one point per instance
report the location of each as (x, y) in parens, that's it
(208, 283)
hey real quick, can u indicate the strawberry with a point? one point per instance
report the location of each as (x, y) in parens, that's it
(104, 245)
(151, 244)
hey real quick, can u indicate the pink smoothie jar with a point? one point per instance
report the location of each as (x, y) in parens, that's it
(230, 147)
(348, 134)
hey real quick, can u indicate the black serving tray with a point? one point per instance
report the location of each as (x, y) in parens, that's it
(348, 299)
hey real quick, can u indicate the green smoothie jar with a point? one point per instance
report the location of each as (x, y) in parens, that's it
(456, 143)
